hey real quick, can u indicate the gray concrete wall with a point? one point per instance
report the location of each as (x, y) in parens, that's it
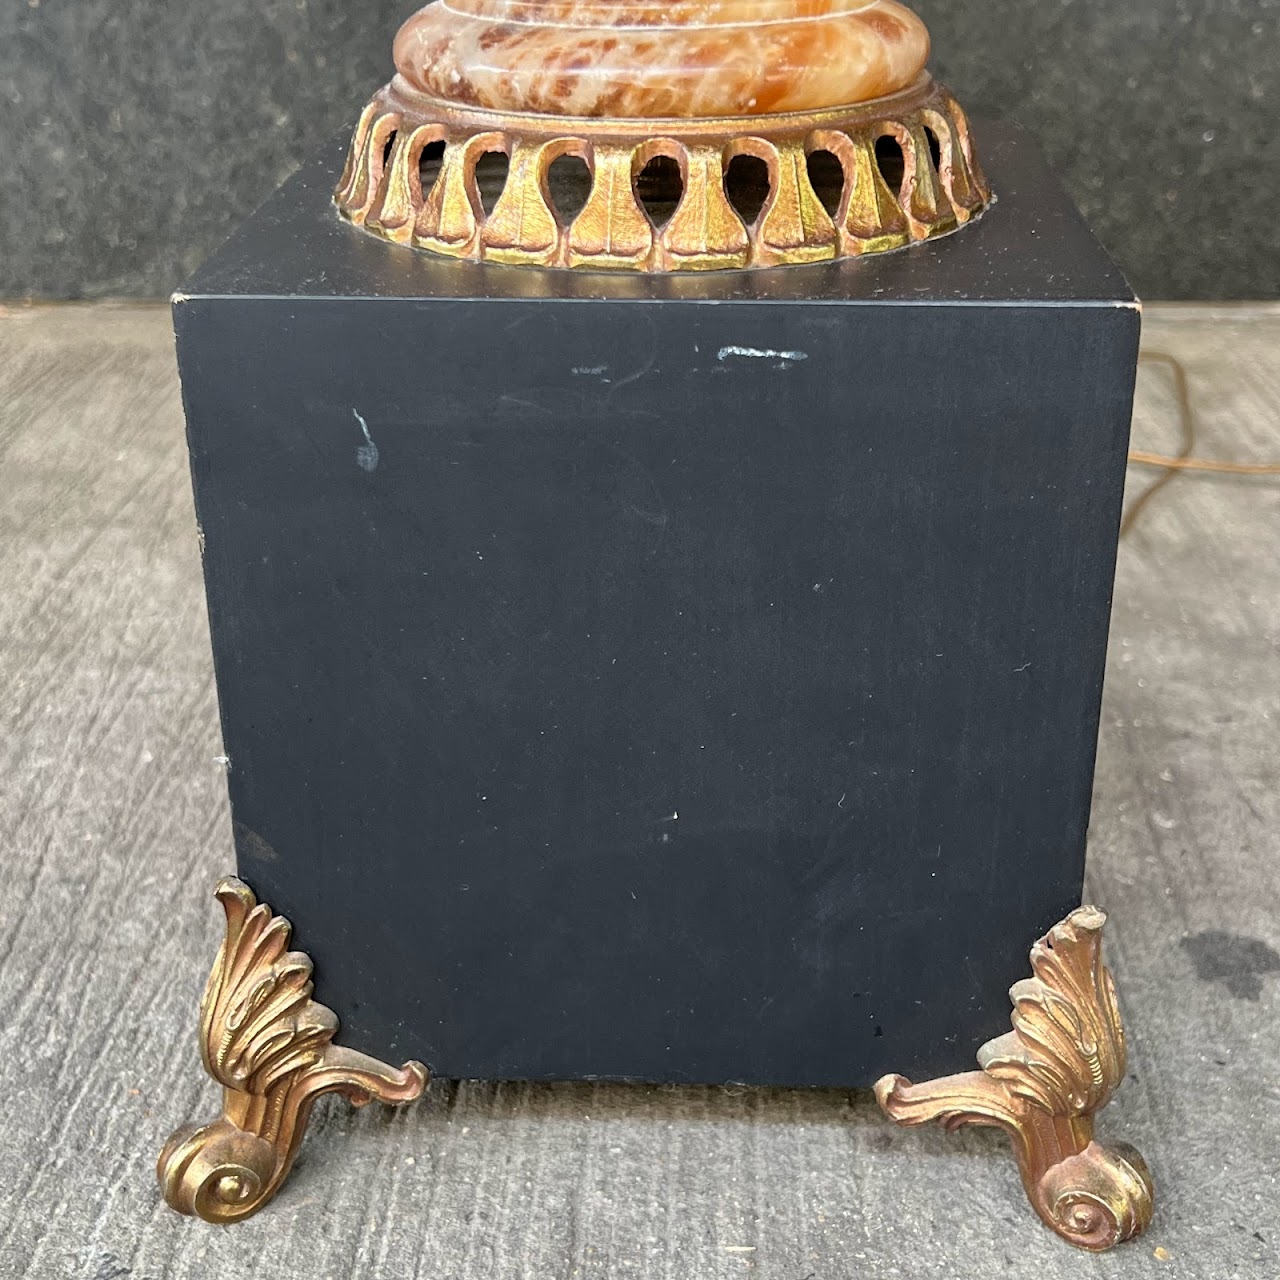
(134, 134)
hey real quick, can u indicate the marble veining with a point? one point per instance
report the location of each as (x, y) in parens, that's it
(643, 59)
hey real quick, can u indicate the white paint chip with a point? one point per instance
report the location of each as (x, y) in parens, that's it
(367, 453)
(762, 353)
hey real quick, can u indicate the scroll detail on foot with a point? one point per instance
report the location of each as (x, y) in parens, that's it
(268, 1044)
(1043, 1082)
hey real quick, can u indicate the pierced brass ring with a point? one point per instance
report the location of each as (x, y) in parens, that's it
(382, 189)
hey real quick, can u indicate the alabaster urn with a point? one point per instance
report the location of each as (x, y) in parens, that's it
(633, 135)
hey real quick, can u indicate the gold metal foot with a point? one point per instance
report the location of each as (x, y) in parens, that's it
(1043, 1082)
(268, 1044)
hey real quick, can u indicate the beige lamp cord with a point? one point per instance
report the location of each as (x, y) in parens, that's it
(1183, 459)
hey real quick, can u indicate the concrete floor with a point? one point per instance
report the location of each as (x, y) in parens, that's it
(113, 828)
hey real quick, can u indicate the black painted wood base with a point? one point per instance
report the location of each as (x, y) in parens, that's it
(674, 678)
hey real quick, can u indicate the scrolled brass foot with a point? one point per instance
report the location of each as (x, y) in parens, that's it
(269, 1046)
(1043, 1082)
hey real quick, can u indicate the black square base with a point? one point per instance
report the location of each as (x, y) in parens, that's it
(680, 678)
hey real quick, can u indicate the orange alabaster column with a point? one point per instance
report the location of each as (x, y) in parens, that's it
(630, 59)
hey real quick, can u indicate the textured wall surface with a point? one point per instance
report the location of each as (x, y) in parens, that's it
(135, 133)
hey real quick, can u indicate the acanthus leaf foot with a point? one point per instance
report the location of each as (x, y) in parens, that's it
(270, 1047)
(1042, 1083)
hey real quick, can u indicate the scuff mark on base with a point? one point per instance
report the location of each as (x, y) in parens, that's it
(367, 453)
(763, 353)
